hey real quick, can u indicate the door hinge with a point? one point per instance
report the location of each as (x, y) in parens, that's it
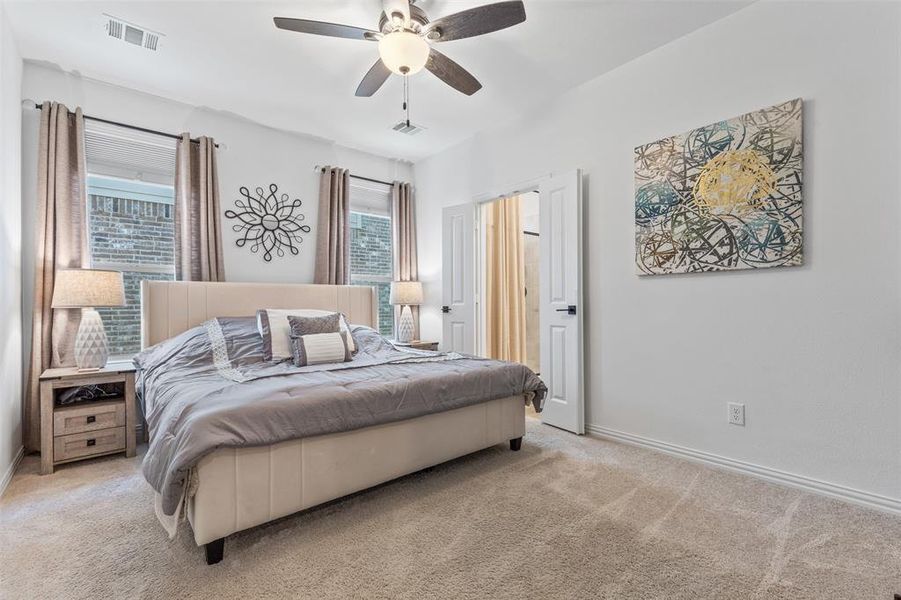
(445, 309)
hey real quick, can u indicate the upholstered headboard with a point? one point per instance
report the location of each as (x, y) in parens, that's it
(171, 307)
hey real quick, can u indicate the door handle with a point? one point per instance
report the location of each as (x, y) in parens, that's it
(445, 309)
(570, 310)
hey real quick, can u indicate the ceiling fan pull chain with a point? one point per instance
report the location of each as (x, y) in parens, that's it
(407, 98)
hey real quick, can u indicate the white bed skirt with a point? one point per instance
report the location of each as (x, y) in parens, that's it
(239, 488)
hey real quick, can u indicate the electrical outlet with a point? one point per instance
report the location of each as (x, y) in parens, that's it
(737, 414)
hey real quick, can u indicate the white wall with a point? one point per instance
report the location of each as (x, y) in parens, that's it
(812, 351)
(253, 156)
(10, 253)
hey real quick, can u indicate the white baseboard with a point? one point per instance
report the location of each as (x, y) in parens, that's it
(8, 476)
(833, 490)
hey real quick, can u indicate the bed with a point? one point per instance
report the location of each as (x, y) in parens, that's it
(237, 480)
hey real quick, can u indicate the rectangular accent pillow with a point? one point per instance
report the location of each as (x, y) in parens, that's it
(308, 325)
(276, 330)
(320, 348)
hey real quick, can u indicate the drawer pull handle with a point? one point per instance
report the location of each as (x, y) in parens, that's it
(92, 419)
(91, 442)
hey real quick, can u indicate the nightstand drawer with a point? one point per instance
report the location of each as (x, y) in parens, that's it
(89, 417)
(79, 445)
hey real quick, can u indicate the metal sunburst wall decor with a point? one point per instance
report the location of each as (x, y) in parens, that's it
(268, 222)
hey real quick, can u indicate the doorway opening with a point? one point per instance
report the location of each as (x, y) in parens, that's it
(509, 287)
(509, 283)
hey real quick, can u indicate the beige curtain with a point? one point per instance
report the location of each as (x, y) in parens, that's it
(505, 301)
(198, 227)
(59, 243)
(333, 236)
(403, 241)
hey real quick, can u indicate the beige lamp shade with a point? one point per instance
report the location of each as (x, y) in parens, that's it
(406, 292)
(82, 288)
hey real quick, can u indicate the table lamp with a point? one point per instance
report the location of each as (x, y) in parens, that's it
(88, 289)
(405, 294)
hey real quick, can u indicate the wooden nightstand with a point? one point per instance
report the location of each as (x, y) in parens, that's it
(423, 345)
(89, 428)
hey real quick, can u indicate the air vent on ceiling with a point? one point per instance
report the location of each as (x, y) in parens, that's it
(408, 128)
(151, 40)
(131, 33)
(114, 28)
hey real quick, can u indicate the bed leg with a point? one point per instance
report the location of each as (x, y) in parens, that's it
(214, 551)
(516, 444)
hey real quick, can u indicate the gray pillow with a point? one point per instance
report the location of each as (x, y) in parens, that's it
(309, 325)
(243, 342)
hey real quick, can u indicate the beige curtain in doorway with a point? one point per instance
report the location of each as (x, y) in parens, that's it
(505, 302)
(333, 234)
(198, 226)
(403, 240)
(59, 244)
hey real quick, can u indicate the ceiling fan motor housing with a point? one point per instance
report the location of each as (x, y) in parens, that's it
(418, 20)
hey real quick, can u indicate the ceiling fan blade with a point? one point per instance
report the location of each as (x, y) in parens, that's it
(451, 73)
(373, 79)
(329, 29)
(397, 6)
(476, 21)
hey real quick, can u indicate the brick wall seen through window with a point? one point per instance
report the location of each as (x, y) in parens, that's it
(371, 261)
(131, 229)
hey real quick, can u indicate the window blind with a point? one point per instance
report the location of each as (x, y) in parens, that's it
(369, 197)
(116, 151)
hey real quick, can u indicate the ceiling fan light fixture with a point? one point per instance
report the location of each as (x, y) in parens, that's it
(403, 52)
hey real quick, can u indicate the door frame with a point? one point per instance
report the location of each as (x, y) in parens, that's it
(478, 283)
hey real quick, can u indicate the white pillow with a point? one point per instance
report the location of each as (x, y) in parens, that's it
(320, 348)
(276, 330)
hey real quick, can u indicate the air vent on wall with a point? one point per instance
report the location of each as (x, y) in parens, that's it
(131, 33)
(408, 128)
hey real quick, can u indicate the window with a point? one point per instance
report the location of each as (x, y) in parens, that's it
(130, 219)
(371, 258)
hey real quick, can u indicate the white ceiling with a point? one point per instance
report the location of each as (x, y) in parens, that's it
(229, 56)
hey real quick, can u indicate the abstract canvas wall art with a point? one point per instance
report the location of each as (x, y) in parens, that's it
(722, 197)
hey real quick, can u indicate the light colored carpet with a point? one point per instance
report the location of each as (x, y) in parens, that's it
(566, 517)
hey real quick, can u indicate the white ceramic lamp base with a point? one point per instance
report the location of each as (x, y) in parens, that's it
(405, 326)
(91, 345)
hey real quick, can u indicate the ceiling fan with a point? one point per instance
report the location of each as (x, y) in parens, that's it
(405, 35)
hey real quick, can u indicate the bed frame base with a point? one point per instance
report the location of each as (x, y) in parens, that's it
(215, 550)
(239, 488)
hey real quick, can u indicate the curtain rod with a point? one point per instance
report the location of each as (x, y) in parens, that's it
(134, 127)
(370, 179)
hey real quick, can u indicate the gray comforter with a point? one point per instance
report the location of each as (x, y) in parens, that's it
(208, 388)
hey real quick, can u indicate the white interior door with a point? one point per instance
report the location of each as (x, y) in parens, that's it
(560, 246)
(458, 277)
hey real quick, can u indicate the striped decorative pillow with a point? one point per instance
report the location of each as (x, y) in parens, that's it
(320, 348)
